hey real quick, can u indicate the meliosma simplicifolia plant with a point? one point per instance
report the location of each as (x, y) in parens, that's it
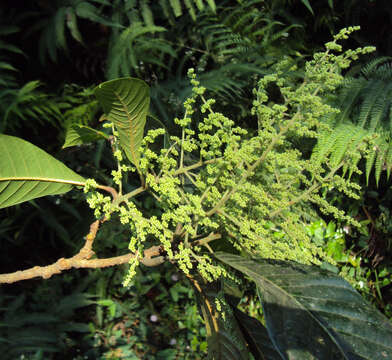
(218, 181)
(218, 185)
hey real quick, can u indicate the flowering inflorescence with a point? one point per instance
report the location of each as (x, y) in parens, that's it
(217, 181)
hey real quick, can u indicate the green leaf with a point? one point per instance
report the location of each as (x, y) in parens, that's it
(199, 4)
(147, 13)
(306, 3)
(78, 134)
(59, 21)
(256, 335)
(89, 11)
(224, 337)
(176, 6)
(212, 5)
(313, 314)
(6, 66)
(72, 24)
(27, 172)
(126, 103)
(191, 9)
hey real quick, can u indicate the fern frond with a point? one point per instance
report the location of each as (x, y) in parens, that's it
(147, 13)
(379, 110)
(348, 96)
(368, 69)
(336, 143)
(380, 160)
(191, 9)
(369, 107)
(7, 70)
(129, 50)
(176, 6)
(29, 103)
(388, 159)
(366, 101)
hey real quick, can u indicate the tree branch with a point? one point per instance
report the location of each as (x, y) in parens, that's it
(82, 260)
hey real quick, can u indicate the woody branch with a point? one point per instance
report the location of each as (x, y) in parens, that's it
(82, 260)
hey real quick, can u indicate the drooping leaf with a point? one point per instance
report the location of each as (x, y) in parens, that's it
(256, 335)
(224, 337)
(27, 172)
(72, 24)
(59, 21)
(313, 314)
(78, 134)
(176, 6)
(126, 103)
(89, 11)
(307, 4)
(212, 5)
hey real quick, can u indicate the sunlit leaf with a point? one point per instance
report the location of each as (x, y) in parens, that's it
(27, 172)
(126, 103)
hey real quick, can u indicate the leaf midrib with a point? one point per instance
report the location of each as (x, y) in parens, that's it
(299, 304)
(131, 140)
(41, 179)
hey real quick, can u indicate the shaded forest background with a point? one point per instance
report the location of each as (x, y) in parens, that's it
(53, 53)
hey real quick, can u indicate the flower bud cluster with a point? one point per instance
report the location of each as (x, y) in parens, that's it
(218, 178)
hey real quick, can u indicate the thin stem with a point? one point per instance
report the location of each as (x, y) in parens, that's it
(166, 155)
(132, 194)
(203, 241)
(182, 147)
(187, 174)
(208, 248)
(219, 204)
(118, 161)
(188, 47)
(110, 190)
(305, 194)
(194, 166)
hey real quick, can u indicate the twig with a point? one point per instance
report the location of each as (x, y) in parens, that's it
(207, 239)
(82, 260)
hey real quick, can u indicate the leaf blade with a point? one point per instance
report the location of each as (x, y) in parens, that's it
(349, 327)
(224, 337)
(78, 134)
(126, 103)
(27, 172)
(256, 335)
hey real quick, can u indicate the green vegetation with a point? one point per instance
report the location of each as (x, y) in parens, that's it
(230, 210)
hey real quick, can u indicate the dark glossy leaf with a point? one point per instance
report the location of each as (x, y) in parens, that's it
(27, 172)
(313, 314)
(256, 335)
(224, 338)
(126, 103)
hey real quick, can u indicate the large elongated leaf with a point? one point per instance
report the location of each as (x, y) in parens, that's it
(27, 172)
(313, 314)
(126, 102)
(256, 335)
(224, 337)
